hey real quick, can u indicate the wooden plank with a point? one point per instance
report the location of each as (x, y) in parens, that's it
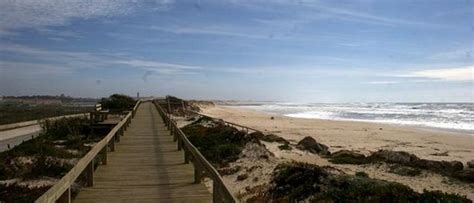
(146, 167)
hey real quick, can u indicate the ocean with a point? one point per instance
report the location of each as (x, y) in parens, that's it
(445, 116)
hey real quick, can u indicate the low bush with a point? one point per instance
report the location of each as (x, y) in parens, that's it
(220, 144)
(285, 147)
(118, 102)
(306, 182)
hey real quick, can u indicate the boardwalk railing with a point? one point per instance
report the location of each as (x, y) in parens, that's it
(244, 128)
(202, 167)
(61, 191)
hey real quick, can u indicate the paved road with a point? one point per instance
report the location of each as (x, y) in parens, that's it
(17, 136)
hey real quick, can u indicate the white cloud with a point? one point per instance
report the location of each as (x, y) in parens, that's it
(157, 65)
(381, 82)
(40, 13)
(229, 31)
(60, 61)
(449, 74)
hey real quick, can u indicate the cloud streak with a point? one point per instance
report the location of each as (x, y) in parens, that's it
(60, 61)
(41, 13)
(448, 74)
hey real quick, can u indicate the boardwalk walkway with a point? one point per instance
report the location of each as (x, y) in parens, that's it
(145, 167)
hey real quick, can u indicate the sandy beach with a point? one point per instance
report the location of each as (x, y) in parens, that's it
(362, 137)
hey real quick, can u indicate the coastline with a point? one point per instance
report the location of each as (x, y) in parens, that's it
(361, 136)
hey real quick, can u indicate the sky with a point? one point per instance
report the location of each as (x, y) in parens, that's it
(272, 50)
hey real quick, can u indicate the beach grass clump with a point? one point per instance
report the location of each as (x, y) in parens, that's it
(404, 170)
(361, 174)
(294, 182)
(179, 107)
(285, 146)
(297, 181)
(220, 144)
(50, 155)
(20, 193)
(348, 157)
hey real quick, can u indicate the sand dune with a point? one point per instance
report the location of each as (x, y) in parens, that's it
(365, 138)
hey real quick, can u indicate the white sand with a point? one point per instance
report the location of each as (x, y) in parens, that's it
(363, 137)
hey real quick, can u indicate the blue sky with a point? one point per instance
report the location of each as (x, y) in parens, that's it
(300, 51)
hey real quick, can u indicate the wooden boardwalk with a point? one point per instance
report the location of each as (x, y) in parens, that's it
(145, 167)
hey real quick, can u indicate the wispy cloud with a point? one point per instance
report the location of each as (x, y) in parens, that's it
(453, 55)
(41, 13)
(447, 74)
(387, 82)
(230, 31)
(160, 67)
(70, 60)
(315, 10)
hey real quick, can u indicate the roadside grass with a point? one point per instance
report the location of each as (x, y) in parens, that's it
(14, 113)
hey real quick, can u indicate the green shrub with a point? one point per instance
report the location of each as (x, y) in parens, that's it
(302, 182)
(220, 144)
(285, 147)
(44, 166)
(361, 174)
(297, 181)
(118, 102)
(404, 170)
(17, 193)
(438, 196)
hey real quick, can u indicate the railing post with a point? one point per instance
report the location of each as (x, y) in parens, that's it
(89, 173)
(65, 197)
(104, 156)
(215, 193)
(197, 173)
(186, 156)
(171, 129)
(180, 145)
(112, 145)
(117, 136)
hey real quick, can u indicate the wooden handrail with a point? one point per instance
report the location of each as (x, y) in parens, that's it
(245, 128)
(202, 167)
(61, 191)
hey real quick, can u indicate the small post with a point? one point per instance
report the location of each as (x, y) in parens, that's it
(112, 145)
(117, 136)
(89, 172)
(8, 145)
(169, 105)
(104, 155)
(184, 110)
(215, 191)
(65, 197)
(197, 174)
(186, 157)
(179, 145)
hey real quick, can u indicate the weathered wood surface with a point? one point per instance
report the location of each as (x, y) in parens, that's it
(145, 167)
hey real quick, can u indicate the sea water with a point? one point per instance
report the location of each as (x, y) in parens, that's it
(448, 116)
